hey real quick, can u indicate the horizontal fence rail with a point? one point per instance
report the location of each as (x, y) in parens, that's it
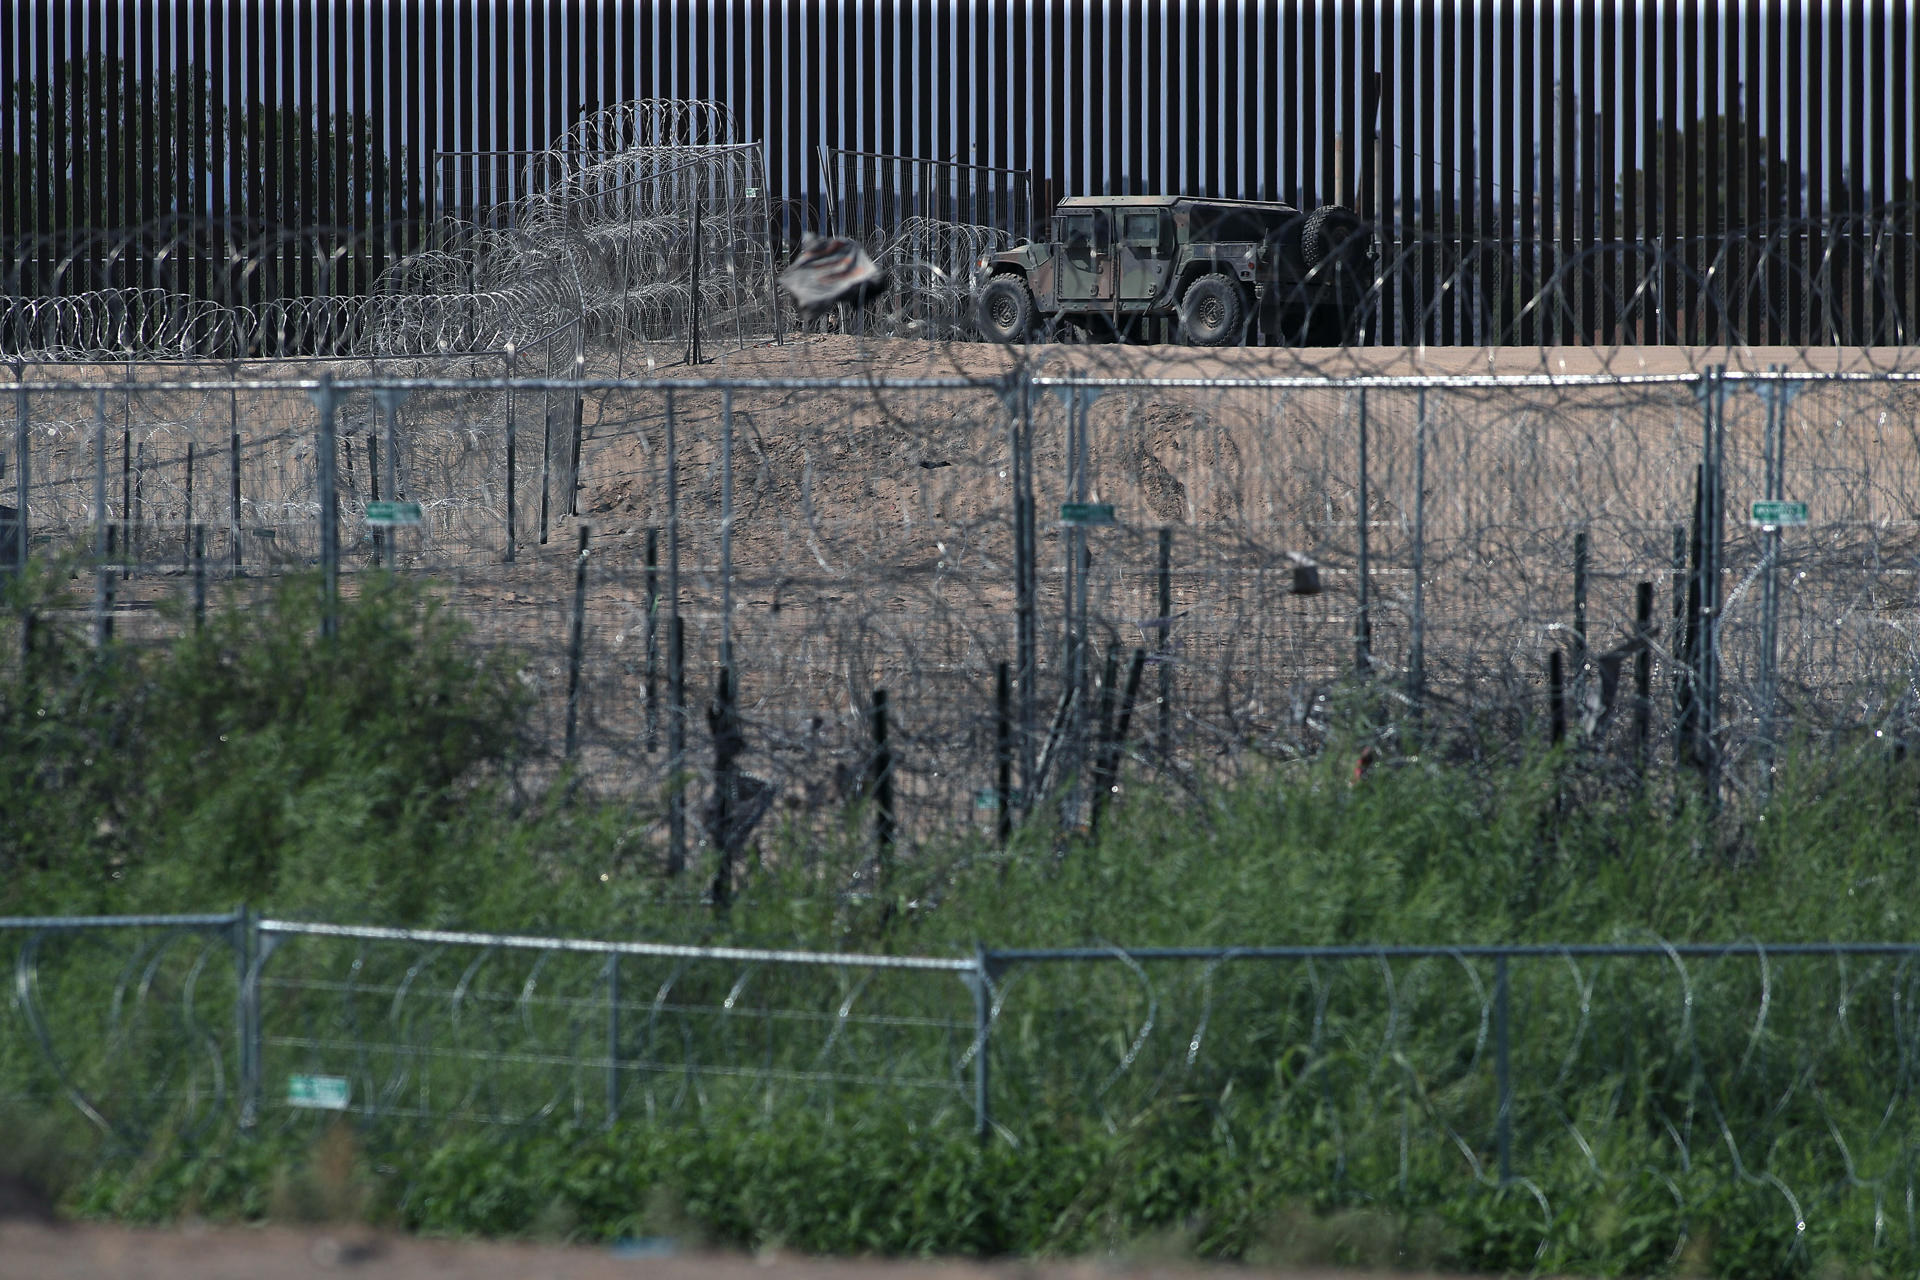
(1768, 1069)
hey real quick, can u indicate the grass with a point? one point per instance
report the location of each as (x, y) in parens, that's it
(1733, 1117)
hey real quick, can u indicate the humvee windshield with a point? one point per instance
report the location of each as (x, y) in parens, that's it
(1080, 231)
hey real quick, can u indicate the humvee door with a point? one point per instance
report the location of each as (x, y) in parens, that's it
(1146, 253)
(1084, 264)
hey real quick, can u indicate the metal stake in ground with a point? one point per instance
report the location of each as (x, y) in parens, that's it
(676, 661)
(1580, 551)
(724, 826)
(576, 639)
(187, 541)
(1556, 699)
(373, 484)
(103, 596)
(1002, 753)
(883, 817)
(1642, 673)
(653, 638)
(198, 536)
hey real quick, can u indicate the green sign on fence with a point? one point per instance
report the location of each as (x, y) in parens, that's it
(1086, 513)
(323, 1093)
(1775, 513)
(391, 513)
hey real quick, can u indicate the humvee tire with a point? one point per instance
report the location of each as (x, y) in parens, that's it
(1328, 231)
(1212, 311)
(1006, 309)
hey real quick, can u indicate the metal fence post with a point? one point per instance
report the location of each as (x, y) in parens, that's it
(325, 399)
(981, 980)
(1502, 1068)
(22, 472)
(1417, 643)
(579, 416)
(1164, 657)
(100, 474)
(187, 524)
(246, 948)
(1775, 489)
(726, 529)
(694, 354)
(1026, 635)
(1363, 623)
(233, 486)
(126, 470)
(546, 436)
(613, 1038)
(511, 457)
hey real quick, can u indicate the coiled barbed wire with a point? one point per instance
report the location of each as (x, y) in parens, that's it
(611, 244)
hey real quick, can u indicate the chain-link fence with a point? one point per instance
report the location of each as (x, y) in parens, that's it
(1683, 1072)
(1178, 575)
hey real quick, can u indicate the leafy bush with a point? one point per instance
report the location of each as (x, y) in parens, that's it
(383, 776)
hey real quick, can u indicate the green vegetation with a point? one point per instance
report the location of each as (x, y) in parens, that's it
(1667, 1118)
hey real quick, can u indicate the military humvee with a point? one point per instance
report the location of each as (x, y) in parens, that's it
(1211, 272)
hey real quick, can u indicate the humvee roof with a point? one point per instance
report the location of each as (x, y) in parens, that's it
(1167, 202)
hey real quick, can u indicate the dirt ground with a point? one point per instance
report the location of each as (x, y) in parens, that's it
(94, 1252)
